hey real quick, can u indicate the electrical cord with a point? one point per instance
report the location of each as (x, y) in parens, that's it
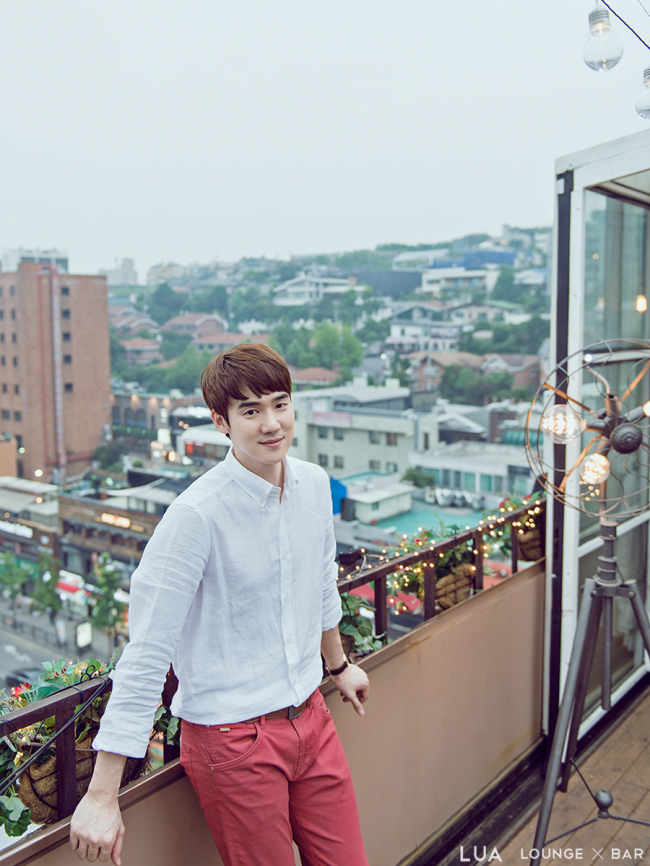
(18, 772)
(623, 21)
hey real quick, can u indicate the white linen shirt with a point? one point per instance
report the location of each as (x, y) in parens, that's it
(235, 589)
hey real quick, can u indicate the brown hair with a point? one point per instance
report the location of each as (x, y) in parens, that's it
(248, 367)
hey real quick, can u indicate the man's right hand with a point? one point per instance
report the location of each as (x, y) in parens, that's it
(96, 829)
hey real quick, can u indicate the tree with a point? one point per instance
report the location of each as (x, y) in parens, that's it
(505, 288)
(165, 303)
(118, 353)
(326, 344)
(213, 299)
(13, 575)
(106, 580)
(185, 374)
(350, 352)
(174, 344)
(348, 311)
(108, 454)
(45, 594)
(461, 384)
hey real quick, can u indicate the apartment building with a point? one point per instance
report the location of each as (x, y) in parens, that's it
(54, 368)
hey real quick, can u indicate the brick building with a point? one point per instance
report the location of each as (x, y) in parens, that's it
(54, 368)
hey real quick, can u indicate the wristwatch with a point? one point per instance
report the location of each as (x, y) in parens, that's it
(334, 672)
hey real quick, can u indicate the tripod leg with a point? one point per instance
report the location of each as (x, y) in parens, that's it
(581, 690)
(606, 680)
(641, 616)
(563, 719)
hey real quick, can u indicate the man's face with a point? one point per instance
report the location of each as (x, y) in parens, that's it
(260, 428)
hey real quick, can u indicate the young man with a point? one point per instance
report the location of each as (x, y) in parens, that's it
(237, 589)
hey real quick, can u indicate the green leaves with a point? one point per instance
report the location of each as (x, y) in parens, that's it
(14, 816)
(168, 725)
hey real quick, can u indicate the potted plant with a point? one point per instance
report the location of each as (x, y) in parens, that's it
(356, 629)
(36, 787)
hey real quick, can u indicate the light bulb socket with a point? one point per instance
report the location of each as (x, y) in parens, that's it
(598, 16)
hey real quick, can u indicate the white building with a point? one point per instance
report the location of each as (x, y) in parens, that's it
(307, 289)
(457, 282)
(419, 326)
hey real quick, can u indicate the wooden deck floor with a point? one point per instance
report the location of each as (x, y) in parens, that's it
(622, 766)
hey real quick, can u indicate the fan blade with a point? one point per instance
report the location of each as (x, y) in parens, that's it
(566, 397)
(636, 382)
(582, 456)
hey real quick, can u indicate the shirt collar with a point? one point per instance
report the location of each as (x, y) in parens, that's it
(256, 487)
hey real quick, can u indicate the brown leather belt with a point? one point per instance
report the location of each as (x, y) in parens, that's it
(285, 712)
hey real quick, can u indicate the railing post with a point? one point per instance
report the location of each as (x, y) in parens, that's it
(429, 581)
(66, 764)
(477, 543)
(381, 614)
(514, 552)
(170, 752)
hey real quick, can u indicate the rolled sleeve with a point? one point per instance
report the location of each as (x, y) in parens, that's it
(163, 588)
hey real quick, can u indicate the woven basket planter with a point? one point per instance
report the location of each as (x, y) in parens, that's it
(39, 783)
(455, 587)
(530, 545)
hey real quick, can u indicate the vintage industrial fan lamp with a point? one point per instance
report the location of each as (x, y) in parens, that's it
(607, 477)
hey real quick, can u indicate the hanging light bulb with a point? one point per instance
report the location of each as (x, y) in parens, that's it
(603, 48)
(642, 103)
(594, 469)
(563, 424)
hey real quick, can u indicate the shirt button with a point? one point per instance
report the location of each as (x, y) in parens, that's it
(286, 598)
(294, 682)
(288, 640)
(261, 502)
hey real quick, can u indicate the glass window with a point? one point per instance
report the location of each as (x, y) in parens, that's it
(4, 389)
(338, 433)
(6, 414)
(12, 290)
(617, 269)
(14, 338)
(469, 481)
(13, 314)
(322, 432)
(373, 436)
(67, 359)
(16, 389)
(322, 460)
(18, 416)
(627, 647)
(486, 483)
(66, 337)
(375, 506)
(391, 439)
(425, 441)
(68, 387)
(2, 338)
(15, 361)
(498, 484)
(391, 467)
(457, 479)
(446, 478)
(374, 465)
(338, 463)
(65, 291)
(65, 314)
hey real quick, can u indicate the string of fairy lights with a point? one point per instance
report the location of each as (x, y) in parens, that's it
(604, 48)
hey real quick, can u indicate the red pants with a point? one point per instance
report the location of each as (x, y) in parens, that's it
(263, 784)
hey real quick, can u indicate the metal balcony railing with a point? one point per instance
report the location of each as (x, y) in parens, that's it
(64, 704)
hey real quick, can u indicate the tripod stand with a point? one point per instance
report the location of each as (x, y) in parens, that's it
(597, 604)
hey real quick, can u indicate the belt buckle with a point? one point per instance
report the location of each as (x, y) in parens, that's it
(292, 710)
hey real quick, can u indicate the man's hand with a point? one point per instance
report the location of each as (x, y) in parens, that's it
(354, 686)
(96, 829)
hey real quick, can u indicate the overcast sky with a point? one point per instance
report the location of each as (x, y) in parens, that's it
(194, 129)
